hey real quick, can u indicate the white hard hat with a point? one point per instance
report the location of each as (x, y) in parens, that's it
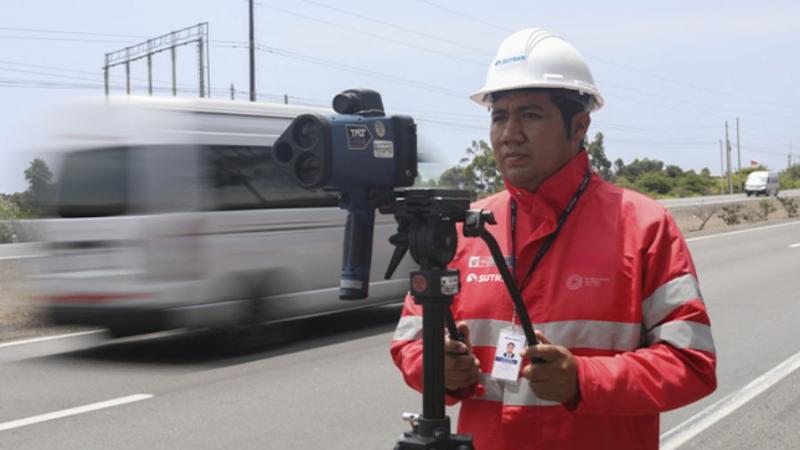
(534, 58)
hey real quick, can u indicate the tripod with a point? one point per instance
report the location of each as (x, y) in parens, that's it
(427, 227)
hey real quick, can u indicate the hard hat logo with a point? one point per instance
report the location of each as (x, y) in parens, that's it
(513, 59)
(536, 59)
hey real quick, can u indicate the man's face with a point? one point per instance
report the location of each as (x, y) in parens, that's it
(529, 138)
(510, 348)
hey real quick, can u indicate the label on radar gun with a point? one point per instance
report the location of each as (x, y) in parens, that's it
(450, 285)
(358, 136)
(383, 149)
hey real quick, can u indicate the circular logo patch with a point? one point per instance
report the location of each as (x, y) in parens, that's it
(574, 282)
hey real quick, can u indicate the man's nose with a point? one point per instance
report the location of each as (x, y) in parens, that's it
(512, 132)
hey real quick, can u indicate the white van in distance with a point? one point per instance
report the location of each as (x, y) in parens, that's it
(762, 182)
(171, 214)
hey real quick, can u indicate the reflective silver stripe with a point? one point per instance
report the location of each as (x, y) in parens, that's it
(668, 297)
(484, 332)
(510, 394)
(595, 334)
(494, 388)
(683, 334)
(408, 329)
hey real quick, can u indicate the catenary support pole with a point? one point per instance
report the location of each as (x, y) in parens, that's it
(252, 56)
(174, 73)
(150, 75)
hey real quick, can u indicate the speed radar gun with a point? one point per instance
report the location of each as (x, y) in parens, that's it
(371, 160)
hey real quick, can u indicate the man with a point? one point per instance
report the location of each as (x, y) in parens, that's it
(624, 332)
(509, 350)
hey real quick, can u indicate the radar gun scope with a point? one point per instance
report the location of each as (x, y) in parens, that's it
(360, 153)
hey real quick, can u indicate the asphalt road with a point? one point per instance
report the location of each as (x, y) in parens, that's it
(329, 383)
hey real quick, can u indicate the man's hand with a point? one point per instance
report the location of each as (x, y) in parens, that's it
(461, 367)
(555, 379)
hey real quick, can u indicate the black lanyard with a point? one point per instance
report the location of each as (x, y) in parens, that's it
(552, 236)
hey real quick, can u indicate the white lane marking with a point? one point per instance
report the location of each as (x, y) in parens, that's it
(73, 411)
(749, 230)
(49, 338)
(699, 422)
(795, 245)
(3, 258)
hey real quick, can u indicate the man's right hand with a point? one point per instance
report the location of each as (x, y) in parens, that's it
(461, 367)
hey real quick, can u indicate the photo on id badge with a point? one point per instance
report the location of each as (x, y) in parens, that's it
(507, 359)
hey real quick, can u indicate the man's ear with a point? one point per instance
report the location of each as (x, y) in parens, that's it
(580, 125)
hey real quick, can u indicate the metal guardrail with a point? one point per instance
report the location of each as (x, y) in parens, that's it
(720, 199)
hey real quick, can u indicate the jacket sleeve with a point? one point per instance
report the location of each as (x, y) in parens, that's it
(677, 363)
(406, 350)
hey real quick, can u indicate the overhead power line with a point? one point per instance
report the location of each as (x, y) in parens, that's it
(84, 33)
(373, 35)
(467, 16)
(66, 39)
(373, 20)
(352, 69)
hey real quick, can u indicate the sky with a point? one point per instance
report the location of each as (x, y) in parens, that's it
(672, 73)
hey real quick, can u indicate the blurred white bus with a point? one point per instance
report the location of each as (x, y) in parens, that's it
(171, 214)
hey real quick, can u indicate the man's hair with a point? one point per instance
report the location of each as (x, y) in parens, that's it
(568, 102)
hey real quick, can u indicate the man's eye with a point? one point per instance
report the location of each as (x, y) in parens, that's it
(496, 119)
(531, 116)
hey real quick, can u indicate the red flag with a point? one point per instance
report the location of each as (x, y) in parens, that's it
(753, 163)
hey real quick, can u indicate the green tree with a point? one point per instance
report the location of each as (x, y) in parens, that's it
(654, 182)
(40, 188)
(619, 167)
(10, 212)
(790, 177)
(476, 172)
(597, 156)
(457, 177)
(673, 171)
(487, 177)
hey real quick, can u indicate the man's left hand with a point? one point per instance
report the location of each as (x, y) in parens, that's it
(555, 379)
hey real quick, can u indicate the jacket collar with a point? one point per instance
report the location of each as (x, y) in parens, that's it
(555, 192)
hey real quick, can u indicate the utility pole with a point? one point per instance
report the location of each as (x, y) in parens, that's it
(233, 92)
(728, 151)
(790, 155)
(252, 56)
(721, 169)
(739, 156)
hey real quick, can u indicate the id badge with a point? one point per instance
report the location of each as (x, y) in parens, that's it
(507, 360)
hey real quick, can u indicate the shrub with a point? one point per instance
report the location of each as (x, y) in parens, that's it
(790, 205)
(731, 214)
(765, 207)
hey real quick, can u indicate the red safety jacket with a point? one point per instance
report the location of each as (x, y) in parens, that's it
(617, 287)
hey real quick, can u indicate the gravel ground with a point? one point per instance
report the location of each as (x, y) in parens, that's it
(20, 318)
